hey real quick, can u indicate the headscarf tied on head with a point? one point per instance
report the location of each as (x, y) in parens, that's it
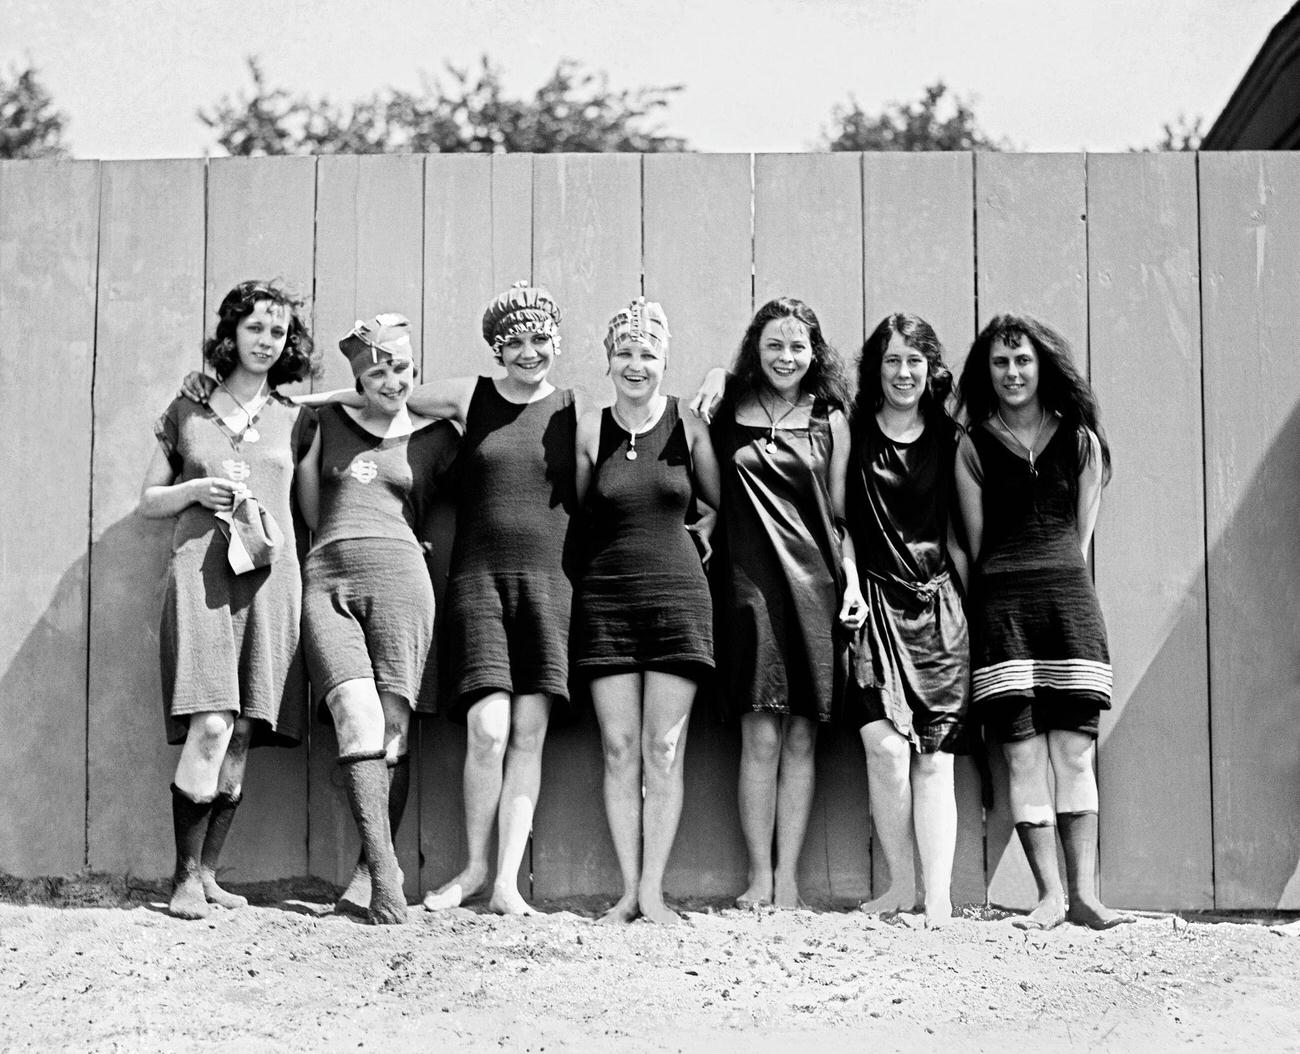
(382, 339)
(642, 320)
(522, 308)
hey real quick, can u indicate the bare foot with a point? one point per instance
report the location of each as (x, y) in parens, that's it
(758, 895)
(355, 899)
(387, 899)
(1049, 914)
(460, 890)
(622, 912)
(653, 909)
(786, 893)
(188, 901)
(214, 894)
(1095, 915)
(938, 913)
(889, 902)
(507, 900)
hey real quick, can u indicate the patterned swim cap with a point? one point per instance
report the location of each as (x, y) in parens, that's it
(522, 308)
(383, 338)
(642, 320)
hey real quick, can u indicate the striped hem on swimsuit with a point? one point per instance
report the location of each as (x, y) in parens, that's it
(1022, 676)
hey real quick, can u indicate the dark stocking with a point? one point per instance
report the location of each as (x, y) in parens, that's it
(356, 898)
(189, 820)
(1079, 839)
(366, 778)
(223, 814)
(1039, 841)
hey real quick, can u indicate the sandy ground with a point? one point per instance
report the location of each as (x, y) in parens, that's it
(93, 964)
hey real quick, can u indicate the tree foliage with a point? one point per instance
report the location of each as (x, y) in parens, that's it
(937, 121)
(466, 111)
(29, 125)
(1183, 134)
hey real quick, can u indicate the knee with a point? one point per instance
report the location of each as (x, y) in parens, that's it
(892, 750)
(1073, 761)
(620, 751)
(661, 754)
(1026, 759)
(486, 740)
(210, 731)
(762, 743)
(799, 740)
(527, 738)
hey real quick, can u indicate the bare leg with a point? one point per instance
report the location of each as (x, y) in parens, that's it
(618, 708)
(230, 788)
(1071, 756)
(193, 791)
(934, 812)
(760, 759)
(529, 715)
(487, 733)
(668, 700)
(794, 797)
(355, 899)
(1034, 815)
(889, 759)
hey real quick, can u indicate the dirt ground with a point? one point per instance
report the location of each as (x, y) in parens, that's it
(96, 964)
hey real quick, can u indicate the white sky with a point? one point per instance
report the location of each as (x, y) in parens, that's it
(760, 75)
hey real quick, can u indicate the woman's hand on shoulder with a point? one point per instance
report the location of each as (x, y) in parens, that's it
(705, 402)
(198, 387)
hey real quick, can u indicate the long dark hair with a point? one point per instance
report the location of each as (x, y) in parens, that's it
(297, 362)
(1061, 388)
(919, 335)
(825, 378)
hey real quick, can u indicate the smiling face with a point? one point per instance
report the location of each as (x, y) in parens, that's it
(784, 355)
(528, 357)
(1013, 370)
(637, 369)
(903, 372)
(260, 337)
(387, 385)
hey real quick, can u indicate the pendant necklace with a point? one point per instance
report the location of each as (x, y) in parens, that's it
(1029, 450)
(249, 433)
(632, 432)
(791, 407)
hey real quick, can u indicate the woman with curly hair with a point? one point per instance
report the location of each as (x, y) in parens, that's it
(783, 445)
(910, 688)
(1029, 478)
(232, 674)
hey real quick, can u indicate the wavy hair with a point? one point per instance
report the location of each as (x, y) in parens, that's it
(297, 362)
(825, 379)
(919, 335)
(1061, 388)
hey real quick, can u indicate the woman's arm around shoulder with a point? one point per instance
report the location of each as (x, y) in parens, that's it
(586, 450)
(704, 461)
(448, 398)
(1090, 476)
(969, 476)
(307, 483)
(705, 401)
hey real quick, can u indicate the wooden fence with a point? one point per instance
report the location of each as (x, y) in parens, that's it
(1177, 276)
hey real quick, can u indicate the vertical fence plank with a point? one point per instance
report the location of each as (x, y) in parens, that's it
(587, 251)
(918, 245)
(1250, 257)
(1031, 240)
(150, 324)
(478, 239)
(261, 224)
(1144, 313)
(808, 244)
(49, 230)
(685, 194)
(369, 258)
